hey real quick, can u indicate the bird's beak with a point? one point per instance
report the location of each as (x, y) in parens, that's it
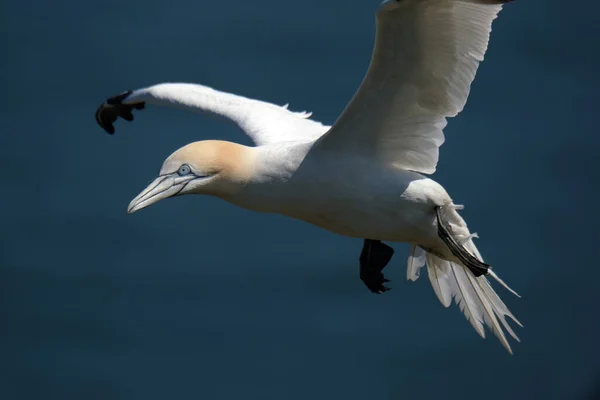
(163, 187)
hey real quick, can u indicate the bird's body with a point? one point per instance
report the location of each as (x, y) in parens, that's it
(363, 176)
(348, 195)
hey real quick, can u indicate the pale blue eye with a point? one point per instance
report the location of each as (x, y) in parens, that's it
(184, 170)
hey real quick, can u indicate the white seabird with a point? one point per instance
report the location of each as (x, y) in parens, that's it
(363, 176)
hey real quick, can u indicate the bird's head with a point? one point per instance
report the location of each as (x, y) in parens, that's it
(211, 167)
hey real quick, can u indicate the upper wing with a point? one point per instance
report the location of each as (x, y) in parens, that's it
(425, 57)
(264, 122)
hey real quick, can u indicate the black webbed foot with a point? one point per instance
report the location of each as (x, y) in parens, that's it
(373, 259)
(114, 108)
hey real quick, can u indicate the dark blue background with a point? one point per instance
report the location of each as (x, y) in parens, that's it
(195, 298)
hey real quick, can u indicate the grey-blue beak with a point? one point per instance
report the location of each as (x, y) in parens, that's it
(163, 187)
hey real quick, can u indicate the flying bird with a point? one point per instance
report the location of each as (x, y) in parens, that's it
(364, 176)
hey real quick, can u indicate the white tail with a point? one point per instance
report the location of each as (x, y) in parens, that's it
(474, 295)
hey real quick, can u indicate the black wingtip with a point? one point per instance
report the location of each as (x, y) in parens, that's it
(118, 99)
(114, 108)
(126, 114)
(107, 126)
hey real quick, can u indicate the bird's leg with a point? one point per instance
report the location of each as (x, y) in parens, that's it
(373, 259)
(477, 267)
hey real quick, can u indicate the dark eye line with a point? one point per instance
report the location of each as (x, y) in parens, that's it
(190, 172)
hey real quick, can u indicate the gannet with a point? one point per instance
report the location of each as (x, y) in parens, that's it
(364, 176)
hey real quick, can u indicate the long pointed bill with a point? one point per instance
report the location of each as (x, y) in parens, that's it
(163, 187)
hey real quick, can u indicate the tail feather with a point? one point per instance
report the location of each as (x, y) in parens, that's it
(475, 296)
(500, 281)
(489, 311)
(439, 276)
(465, 297)
(500, 308)
(416, 260)
(498, 302)
(467, 242)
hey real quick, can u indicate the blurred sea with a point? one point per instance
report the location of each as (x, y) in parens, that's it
(195, 298)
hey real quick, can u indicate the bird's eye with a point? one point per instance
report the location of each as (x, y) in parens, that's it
(184, 170)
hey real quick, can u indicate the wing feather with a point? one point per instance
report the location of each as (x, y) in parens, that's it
(425, 58)
(264, 122)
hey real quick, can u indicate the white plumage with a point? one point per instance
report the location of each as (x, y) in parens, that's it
(425, 58)
(360, 177)
(265, 123)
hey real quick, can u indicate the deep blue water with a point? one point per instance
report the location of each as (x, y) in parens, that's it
(195, 298)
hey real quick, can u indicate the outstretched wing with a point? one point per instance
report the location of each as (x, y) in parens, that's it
(425, 57)
(264, 122)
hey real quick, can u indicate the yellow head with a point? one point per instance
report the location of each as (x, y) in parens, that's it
(211, 167)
